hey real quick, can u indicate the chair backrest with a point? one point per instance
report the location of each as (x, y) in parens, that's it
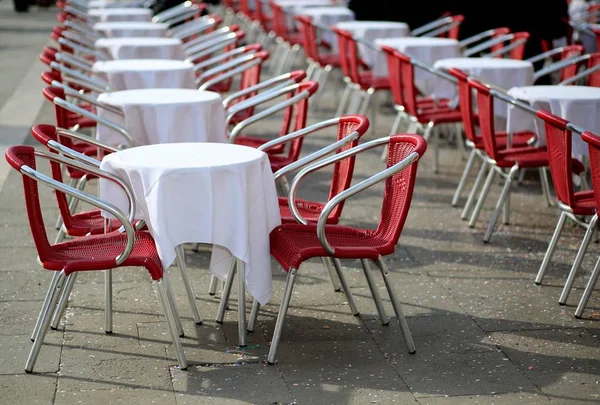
(394, 75)
(249, 72)
(469, 117)
(279, 20)
(342, 37)
(570, 51)
(263, 18)
(593, 79)
(309, 37)
(407, 76)
(245, 8)
(455, 30)
(558, 139)
(498, 32)
(485, 108)
(519, 51)
(399, 187)
(354, 58)
(593, 142)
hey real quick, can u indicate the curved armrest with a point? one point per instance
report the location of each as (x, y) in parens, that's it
(201, 46)
(100, 120)
(242, 65)
(81, 48)
(430, 26)
(273, 83)
(219, 58)
(95, 201)
(487, 44)
(193, 27)
(209, 49)
(506, 49)
(357, 188)
(207, 37)
(74, 93)
(580, 75)
(559, 65)
(442, 29)
(82, 138)
(182, 17)
(172, 12)
(85, 30)
(76, 12)
(93, 84)
(74, 60)
(544, 55)
(476, 38)
(76, 38)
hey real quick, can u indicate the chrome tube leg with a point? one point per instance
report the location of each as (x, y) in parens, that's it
(108, 301)
(60, 236)
(472, 195)
(56, 286)
(366, 101)
(355, 100)
(323, 76)
(385, 320)
(410, 344)
(335, 282)
(500, 204)
(226, 292)
(241, 303)
(395, 127)
(458, 137)
(351, 303)
(436, 144)
(64, 299)
(464, 177)
(545, 185)
(482, 196)
(291, 58)
(173, 305)
(172, 323)
(253, 316)
(285, 54)
(345, 96)
(551, 246)
(589, 289)
(506, 209)
(185, 276)
(311, 70)
(283, 309)
(59, 220)
(45, 305)
(212, 289)
(578, 259)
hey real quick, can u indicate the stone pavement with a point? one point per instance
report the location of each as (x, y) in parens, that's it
(484, 332)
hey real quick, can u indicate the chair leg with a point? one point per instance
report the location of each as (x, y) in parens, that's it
(185, 275)
(291, 59)
(436, 144)
(410, 344)
(464, 177)
(482, 196)
(226, 292)
(241, 303)
(506, 208)
(351, 303)
(355, 100)
(578, 259)
(344, 100)
(323, 76)
(60, 236)
(212, 289)
(472, 195)
(458, 137)
(589, 289)
(253, 316)
(108, 301)
(45, 305)
(335, 282)
(365, 102)
(545, 186)
(385, 320)
(59, 220)
(55, 287)
(171, 321)
(64, 299)
(173, 306)
(551, 246)
(500, 204)
(395, 126)
(283, 309)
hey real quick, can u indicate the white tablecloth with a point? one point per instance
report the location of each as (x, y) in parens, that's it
(120, 14)
(141, 48)
(370, 31)
(426, 50)
(328, 16)
(115, 4)
(504, 73)
(120, 29)
(220, 194)
(165, 116)
(578, 104)
(129, 74)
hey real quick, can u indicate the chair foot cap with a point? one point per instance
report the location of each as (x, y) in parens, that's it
(562, 304)
(108, 332)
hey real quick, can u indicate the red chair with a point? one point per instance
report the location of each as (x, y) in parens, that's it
(424, 119)
(593, 142)
(292, 244)
(287, 37)
(474, 141)
(505, 162)
(573, 205)
(88, 253)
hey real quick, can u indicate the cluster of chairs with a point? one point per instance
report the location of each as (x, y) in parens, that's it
(86, 241)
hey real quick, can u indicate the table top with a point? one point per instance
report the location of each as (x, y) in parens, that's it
(416, 41)
(556, 92)
(137, 41)
(305, 3)
(146, 65)
(130, 25)
(334, 10)
(371, 24)
(483, 63)
(119, 11)
(158, 97)
(185, 156)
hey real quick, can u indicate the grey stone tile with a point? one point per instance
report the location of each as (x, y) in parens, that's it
(15, 350)
(116, 396)
(19, 285)
(499, 399)
(18, 317)
(16, 389)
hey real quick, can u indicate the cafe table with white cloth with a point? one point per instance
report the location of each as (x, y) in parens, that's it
(141, 48)
(219, 194)
(120, 14)
(504, 73)
(120, 29)
(115, 4)
(327, 16)
(579, 105)
(424, 49)
(371, 31)
(153, 116)
(129, 74)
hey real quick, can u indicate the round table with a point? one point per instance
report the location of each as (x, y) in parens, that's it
(153, 116)
(115, 4)
(372, 30)
(579, 105)
(328, 16)
(129, 74)
(120, 29)
(221, 194)
(424, 49)
(120, 14)
(504, 73)
(141, 48)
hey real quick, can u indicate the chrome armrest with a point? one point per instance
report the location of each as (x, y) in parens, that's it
(93, 84)
(476, 38)
(172, 12)
(76, 38)
(207, 37)
(83, 29)
(209, 49)
(74, 61)
(430, 26)
(273, 83)
(77, 12)
(193, 27)
(82, 49)
(580, 75)
(487, 44)
(298, 134)
(506, 49)
(228, 69)
(74, 93)
(257, 100)
(219, 58)
(181, 18)
(559, 65)
(442, 29)
(545, 55)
